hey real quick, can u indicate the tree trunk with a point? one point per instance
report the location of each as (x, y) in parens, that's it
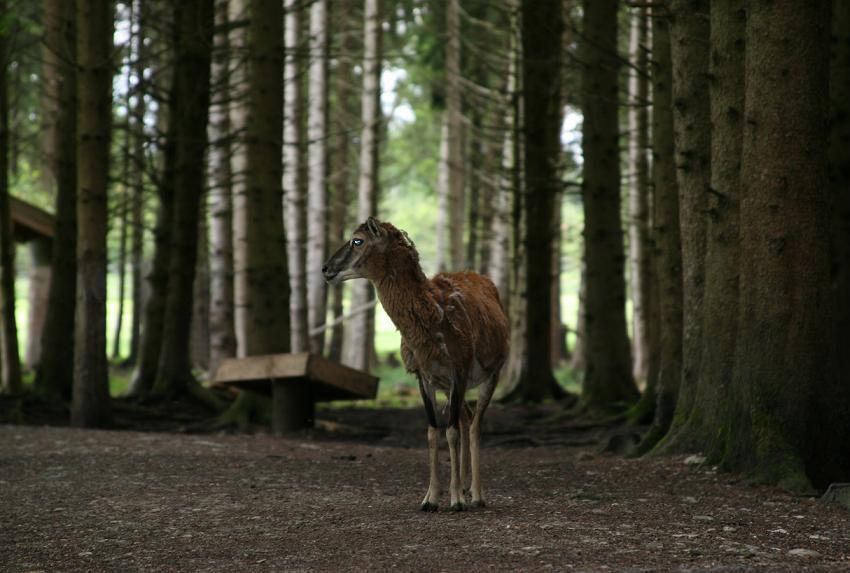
(706, 413)
(11, 365)
(190, 107)
(668, 247)
(689, 35)
(346, 114)
(154, 307)
(317, 216)
(360, 334)
(542, 46)
(797, 424)
(557, 330)
(640, 249)
(443, 194)
(91, 406)
(39, 293)
(454, 118)
(294, 160)
(577, 361)
(138, 199)
(263, 278)
(608, 381)
(199, 338)
(220, 198)
(839, 161)
(124, 223)
(54, 376)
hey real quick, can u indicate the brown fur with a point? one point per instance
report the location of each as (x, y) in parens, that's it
(453, 327)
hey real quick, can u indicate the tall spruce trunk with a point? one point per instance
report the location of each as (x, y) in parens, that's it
(317, 201)
(190, 108)
(54, 376)
(91, 405)
(796, 427)
(454, 119)
(220, 198)
(689, 35)
(294, 160)
(667, 238)
(153, 316)
(264, 277)
(714, 390)
(345, 115)
(542, 28)
(839, 162)
(360, 334)
(608, 381)
(640, 247)
(11, 364)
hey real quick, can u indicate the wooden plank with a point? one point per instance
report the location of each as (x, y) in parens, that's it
(330, 381)
(263, 367)
(30, 221)
(342, 378)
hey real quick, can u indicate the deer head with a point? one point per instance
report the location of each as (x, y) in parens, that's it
(355, 259)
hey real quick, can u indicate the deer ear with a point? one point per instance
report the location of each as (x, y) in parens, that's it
(375, 228)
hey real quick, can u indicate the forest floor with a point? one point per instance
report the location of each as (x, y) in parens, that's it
(346, 496)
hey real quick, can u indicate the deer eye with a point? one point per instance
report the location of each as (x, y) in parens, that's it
(356, 242)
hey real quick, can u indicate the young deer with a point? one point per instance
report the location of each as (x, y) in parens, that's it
(454, 336)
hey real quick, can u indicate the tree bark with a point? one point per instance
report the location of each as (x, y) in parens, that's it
(707, 411)
(454, 119)
(345, 115)
(54, 376)
(640, 248)
(668, 247)
(360, 334)
(839, 172)
(542, 46)
(443, 197)
(153, 317)
(689, 34)
(11, 364)
(220, 197)
(263, 278)
(608, 381)
(91, 405)
(317, 216)
(796, 426)
(199, 337)
(190, 108)
(39, 292)
(294, 168)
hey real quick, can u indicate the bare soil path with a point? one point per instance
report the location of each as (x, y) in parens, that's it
(74, 500)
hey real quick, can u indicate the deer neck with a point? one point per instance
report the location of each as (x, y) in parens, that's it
(408, 299)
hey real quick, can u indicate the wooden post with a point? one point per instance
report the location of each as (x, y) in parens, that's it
(293, 407)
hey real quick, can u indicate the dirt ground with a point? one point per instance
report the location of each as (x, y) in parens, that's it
(345, 497)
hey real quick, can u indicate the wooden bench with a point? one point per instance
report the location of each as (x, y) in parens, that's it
(295, 382)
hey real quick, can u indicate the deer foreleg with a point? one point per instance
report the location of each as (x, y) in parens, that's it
(453, 438)
(484, 396)
(432, 496)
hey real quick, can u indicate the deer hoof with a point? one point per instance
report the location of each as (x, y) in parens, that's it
(428, 506)
(478, 503)
(458, 507)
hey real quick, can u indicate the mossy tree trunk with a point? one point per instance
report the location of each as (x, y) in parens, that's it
(796, 426)
(667, 241)
(706, 412)
(608, 381)
(689, 35)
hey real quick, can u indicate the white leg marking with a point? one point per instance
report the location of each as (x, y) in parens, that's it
(453, 438)
(432, 496)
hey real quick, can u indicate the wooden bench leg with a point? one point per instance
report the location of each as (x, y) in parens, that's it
(292, 406)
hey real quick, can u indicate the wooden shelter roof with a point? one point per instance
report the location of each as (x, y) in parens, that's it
(30, 222)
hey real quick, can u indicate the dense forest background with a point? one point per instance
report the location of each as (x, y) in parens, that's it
(660, 191)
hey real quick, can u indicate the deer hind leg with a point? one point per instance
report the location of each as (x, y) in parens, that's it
(465, 460)
(484, 396)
